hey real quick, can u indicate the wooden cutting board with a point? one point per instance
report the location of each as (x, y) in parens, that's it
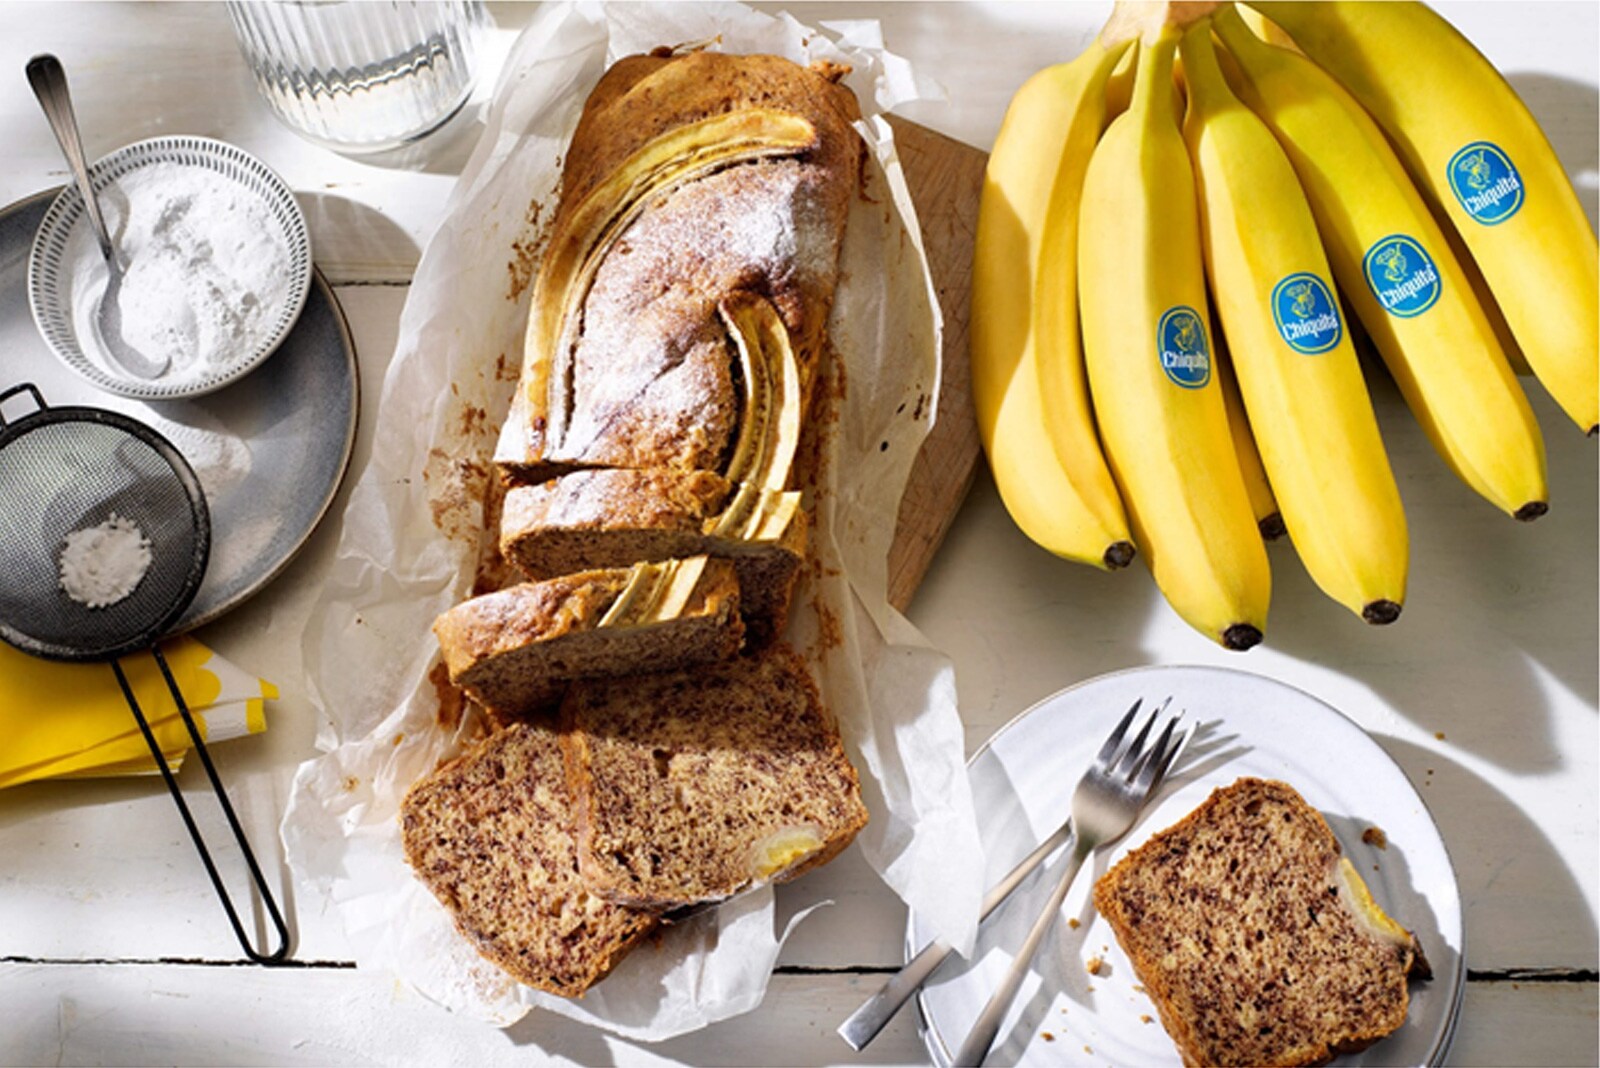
(945, 177)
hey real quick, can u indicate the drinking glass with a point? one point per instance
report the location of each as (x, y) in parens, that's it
(360, 75)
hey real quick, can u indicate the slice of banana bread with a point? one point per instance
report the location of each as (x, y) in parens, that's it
(612, 517)
(695, 785)
(491, 835)
(1257, 941)
(515, 650)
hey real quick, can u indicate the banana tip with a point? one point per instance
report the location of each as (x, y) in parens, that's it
(1241, 636)
(1381, 612)
(1531, 511)
(1272, 527)
(1594, 430)
(1119, 555)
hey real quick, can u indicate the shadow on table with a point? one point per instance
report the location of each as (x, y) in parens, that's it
(1097, 619)
(353, 242)
(444, 151)
(1522, 905)
(1519, 597)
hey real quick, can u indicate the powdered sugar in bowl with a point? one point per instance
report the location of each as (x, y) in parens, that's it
(216, 261)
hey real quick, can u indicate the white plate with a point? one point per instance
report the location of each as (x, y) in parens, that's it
(1022, 782)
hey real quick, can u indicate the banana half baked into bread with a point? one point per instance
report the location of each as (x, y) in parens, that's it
(1255, 938)
(654, 503)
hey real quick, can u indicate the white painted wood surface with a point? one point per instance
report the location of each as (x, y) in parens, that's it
(1485, 692)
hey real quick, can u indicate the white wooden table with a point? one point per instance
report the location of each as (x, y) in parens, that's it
(112, 949)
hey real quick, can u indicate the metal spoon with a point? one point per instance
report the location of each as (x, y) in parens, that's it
(49, 82)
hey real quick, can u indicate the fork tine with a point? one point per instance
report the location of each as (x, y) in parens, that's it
(1164, 755)
(1129, 763)
(1130, 757)
(1103, 758)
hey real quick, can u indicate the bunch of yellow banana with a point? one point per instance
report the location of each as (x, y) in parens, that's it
(1345, 154)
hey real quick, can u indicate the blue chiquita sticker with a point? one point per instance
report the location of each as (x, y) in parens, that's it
(1486, 182)
(1181, 343)
(1306, 314)
(1402, 276)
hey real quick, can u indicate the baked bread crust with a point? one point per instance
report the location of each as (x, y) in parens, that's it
(695, 785)
(491, 836)
(1236, 926)
(612, 517)
(514, 651)
(653, 371)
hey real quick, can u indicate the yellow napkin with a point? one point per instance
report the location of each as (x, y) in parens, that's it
(71, 720)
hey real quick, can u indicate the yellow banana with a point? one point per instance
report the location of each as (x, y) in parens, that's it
(1274, 34)
(1263, 503)
(1472, 143)
(1296, 367)
(1027, 378)
(1396, 269)
(1142, 295)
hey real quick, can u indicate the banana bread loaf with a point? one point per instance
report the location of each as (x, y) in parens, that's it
(690, 179)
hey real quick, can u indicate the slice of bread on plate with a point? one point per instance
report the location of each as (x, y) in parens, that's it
(491, 835)
(515, 650)
(1255, 938)
(694, 785)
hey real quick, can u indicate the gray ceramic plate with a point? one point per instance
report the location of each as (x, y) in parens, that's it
(270, 449)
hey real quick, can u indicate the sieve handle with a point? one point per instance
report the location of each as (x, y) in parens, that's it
(278, 955)
(26, 387)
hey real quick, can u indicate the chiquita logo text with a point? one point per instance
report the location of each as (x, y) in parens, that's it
(1485, 182)
(1182, 346)
(1402, 276)
(1306, 314)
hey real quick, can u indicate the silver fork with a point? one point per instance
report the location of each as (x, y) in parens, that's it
(1105, 805)
(866, 1022)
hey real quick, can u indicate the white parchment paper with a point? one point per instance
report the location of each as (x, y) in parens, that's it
(410, 541)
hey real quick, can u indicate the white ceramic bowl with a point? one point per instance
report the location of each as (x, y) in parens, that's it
(50, 276)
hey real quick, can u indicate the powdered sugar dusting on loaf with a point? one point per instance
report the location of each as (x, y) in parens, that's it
(653, 370)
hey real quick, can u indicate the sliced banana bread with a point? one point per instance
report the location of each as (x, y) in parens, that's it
(1257, 941)
(491, 835)
(607, 518)
(694, 785)
(515, 650)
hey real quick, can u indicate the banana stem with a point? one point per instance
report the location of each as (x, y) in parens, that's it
(1152, 86)
(1145, 19)
(1201, 72)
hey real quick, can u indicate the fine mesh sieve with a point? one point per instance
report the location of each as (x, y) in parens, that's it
(69, 469)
